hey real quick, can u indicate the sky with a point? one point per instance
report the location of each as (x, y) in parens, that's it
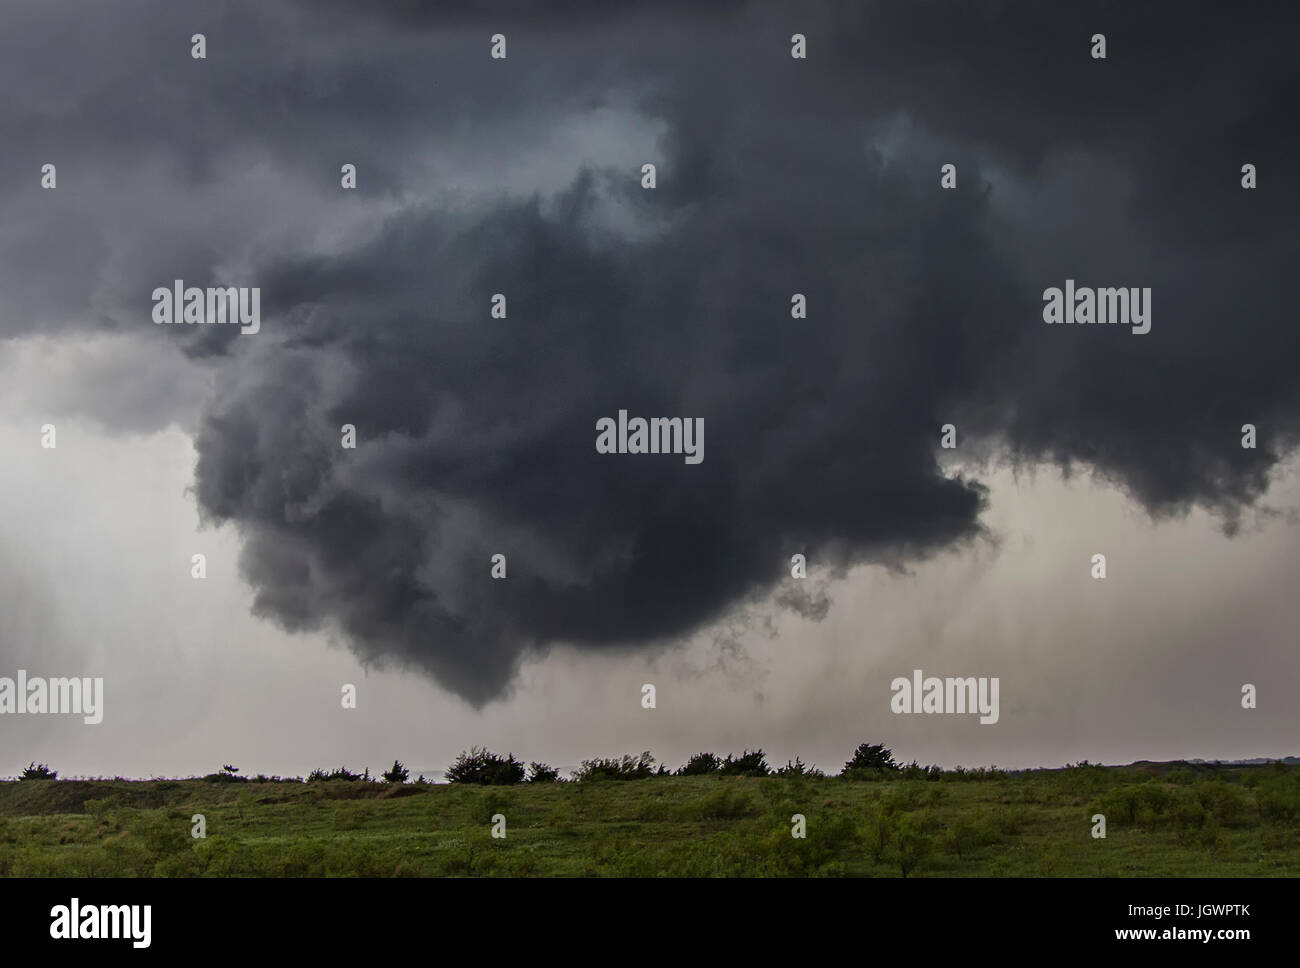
(476, 435)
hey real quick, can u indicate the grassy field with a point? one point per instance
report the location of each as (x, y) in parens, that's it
(1162, 820)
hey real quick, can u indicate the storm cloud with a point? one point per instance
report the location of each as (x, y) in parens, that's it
(775, 176)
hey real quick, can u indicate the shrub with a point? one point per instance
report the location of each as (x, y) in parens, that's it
(1210, 834)
(701, 764)
(1279, 801)
(626, 768)
(38, 771)
(911, 845)
(1187, 813)
(541, 773)
(749, 763)
(227, 774)
(878, 830)
(398, 774)
(1010, 821)
(98, 808)
(828, 839)
(914, 771)
(1157, 803)
(485, 768)
(966, 835)
(869, 756)
(1123, 803)
(342, 773)
(166, 834)
(798, 768)
(1225, 803)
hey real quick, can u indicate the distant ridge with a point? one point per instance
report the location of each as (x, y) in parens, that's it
(1256, 761)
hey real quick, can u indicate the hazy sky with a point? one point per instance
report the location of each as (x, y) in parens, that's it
(476, 435)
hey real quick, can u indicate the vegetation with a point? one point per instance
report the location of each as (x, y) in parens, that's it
(701, 764)
(628, 768)
(541, 773)
(797, 768)
(746, 764)
(486, 769)
(870, 757)
(342, 773)
(1162, 820)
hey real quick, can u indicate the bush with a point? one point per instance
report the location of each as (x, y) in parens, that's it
(1227, 804)
(541, 773)
(627, 768)
(914, 771)
(38, 771)
(819, 853)
(228, 774)
(1122, 803)
(869, 756)
(965, 835)
(485, 768)
(398, 774)
(701, 764)
(749, 763)
(1187, 814)
(1279, 801)
(878, 830)
(911, 845)
(342, 773)
(798, 768)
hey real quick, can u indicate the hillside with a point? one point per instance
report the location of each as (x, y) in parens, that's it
(1182, 820)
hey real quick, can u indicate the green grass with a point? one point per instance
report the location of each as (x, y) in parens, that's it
(1163, 820)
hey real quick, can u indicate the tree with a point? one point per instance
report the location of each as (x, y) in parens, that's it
(485, 768)
(871, 756)
(398, 774)
(41, 771)
(912, 846)
(799, 768)
(342, 773)
(749, 763)
(701, 764)
(542, 773)
(624, 768)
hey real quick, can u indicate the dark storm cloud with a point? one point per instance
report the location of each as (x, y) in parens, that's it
(436, 13)
(776, 176)
(1186, 96)
(463, 416)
